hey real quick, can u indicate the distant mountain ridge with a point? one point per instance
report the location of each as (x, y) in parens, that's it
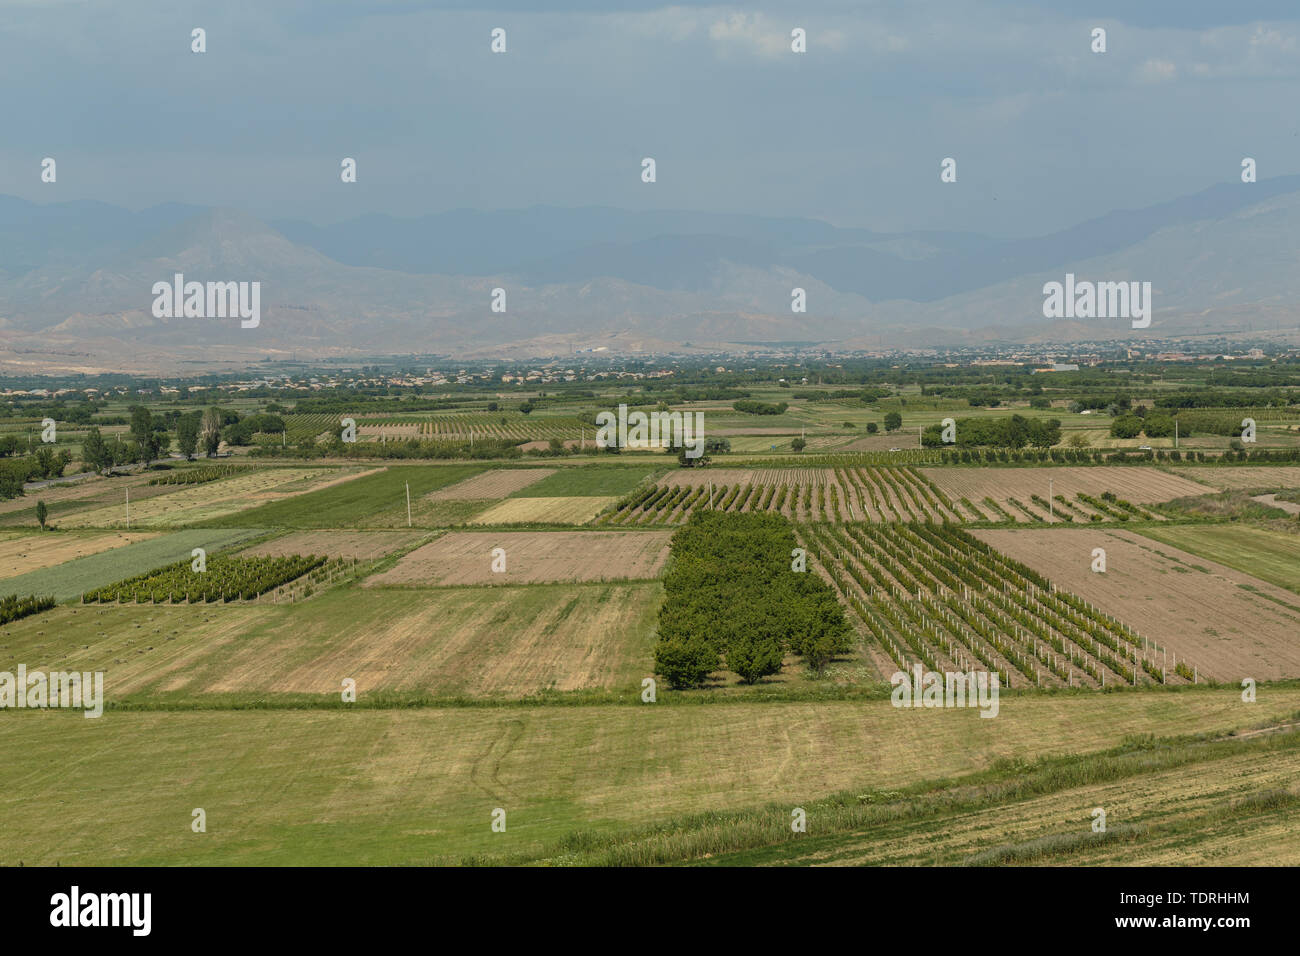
(76, 277)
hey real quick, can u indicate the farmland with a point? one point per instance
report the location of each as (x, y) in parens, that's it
(1269, 555)
(21, 554)
(1229, 624)
(73, 578)
(463, 557)
(625, 769)
(443, 643)
(648, 663)
(571, 509)
(376, 499)
(491, 485)
(213, 500)
(884, 494)
(352, 545)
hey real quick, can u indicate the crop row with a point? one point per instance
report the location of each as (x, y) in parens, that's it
(931, 593)
(223, 579)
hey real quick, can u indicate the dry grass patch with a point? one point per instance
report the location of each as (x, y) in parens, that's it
(1232, 478)
(24, 553)
(357, 545)
(569, 510)
(491, 485)
(465, 557)
(1228, 624)
(194, 503)
(1138, 485)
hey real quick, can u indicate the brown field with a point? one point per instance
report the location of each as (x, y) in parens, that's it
(1231, 478)
(465, 557)
(571, 510)
(358, 545)
(1137, 485)
(24, 553)
(1231, 625)
(506, 641)
(490, 485)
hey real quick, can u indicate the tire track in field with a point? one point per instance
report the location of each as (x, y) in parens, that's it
(485, 773)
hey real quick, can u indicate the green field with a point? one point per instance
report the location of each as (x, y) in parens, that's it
(72, 579)
(373, 501)
(407, 786)
(1273, 556)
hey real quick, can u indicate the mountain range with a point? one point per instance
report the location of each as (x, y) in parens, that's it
(76, 280)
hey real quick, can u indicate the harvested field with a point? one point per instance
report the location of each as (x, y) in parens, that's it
(491, 485)
(465, 557)
(507, 642)
(569, 510)
(357, 545)
(190, 504)
(80, 496)
(1139, 485)
(24, 553)
(73, 578)
(1232, 478)
(1229, 624)
(367, 787)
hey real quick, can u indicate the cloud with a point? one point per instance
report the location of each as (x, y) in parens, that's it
(1157, 71)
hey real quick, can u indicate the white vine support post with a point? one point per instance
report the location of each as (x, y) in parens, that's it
(128, 509)
(408, 504)
(1050, 512)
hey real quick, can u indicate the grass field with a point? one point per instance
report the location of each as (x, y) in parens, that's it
(413, 786)
(374, 501)
(488, 642)
(1202, 803)
(1272, 556)
(72, 579)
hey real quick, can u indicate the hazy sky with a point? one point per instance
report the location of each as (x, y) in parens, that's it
(1045, 132)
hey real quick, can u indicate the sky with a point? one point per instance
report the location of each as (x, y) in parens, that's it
(1045, 133)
